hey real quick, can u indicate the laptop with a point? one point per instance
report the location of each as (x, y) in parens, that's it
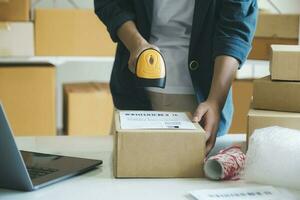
(27, 171)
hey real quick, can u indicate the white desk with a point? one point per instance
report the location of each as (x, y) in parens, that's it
(100, 184)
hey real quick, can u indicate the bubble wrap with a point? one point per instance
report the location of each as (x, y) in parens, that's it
(273, 157)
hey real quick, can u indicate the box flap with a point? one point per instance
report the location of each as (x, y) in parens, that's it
(285, 48)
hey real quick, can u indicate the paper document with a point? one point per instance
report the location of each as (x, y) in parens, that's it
(245, 193)
(155, 120)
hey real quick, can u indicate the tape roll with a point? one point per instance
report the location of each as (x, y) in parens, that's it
(226, 165)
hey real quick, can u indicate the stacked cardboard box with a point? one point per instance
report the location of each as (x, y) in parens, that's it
(276, 98)
(274, 29)
(271, 29)
(27, 92)
(71, 32)
(88, 109)
(16, 32)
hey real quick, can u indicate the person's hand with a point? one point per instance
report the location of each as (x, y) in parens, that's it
(208, 115)
(136, 51)
(134, 42)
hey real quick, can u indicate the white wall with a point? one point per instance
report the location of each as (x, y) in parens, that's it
(285, 6)
(62, 3)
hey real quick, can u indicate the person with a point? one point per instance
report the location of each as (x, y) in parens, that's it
(204, 43)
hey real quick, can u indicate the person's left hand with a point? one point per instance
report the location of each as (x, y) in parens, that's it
(208, 115)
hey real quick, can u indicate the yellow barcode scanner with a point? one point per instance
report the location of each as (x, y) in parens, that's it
(151, 69)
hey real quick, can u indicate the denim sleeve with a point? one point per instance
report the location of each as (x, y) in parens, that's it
(235, 29)
(113, 13)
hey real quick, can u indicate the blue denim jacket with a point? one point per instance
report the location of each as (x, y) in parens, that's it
(220, 27)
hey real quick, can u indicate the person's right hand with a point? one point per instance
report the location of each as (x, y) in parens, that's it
(134, 42)
(136, 51)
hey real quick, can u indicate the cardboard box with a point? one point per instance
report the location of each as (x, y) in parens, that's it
(16, 39)
(299, 34)
(276, 95)
(88, 109)
(242, 97)
(285, 26)
(158, 153)
(261, 47)
(274, 29)
(71, 32)
(27, 92)
(14, 10)
(285, 62)
(262, 118)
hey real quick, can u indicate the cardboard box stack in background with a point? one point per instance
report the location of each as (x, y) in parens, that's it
(58, 32)
(71, 32)
(27, 92)
(277, 92)
(274, 29)
(16, 32)
(88, 109)
(140, 153)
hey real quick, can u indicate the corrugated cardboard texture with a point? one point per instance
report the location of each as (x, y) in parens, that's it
(278, 26)
(276, 95)
(28, 95)
(14, 10)
(16, 39)
(242, 94)
(158, 153)
(88, 109)
(261, 46)
(285, 62)
(262, 118)
(71, 32)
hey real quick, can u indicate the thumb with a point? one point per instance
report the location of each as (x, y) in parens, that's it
(199, 113)
(211, 135)
(209, 126)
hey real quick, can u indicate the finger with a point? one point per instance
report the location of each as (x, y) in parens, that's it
(131, 68)
(132, 63)
(210, 143)
(209, 125)
(201, 110)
